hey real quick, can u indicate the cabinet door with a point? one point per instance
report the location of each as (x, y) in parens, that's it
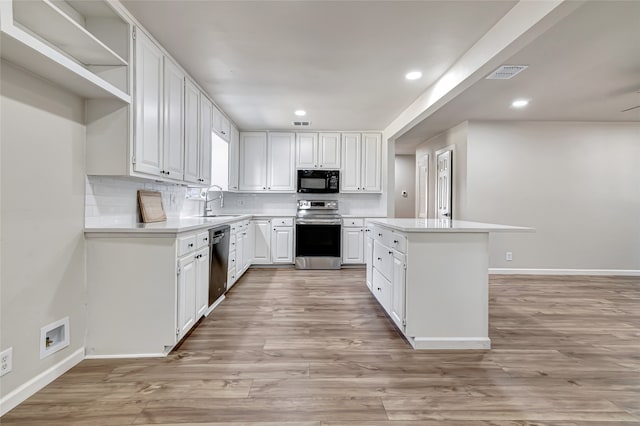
(250, 242)
(262, 245)
(202, 281)
(240, 255)
(253, 167)
(282, 244)
(148, 104)
(351, 163)
(186, 296)
(329, 150)
(306, 150)
(398, 286)
(191, 133)
(368, 254)
(206, 108)
(225, 129)
(234, 154)
(371, 162)
(352, 245)
(281, 162)
(173, 144)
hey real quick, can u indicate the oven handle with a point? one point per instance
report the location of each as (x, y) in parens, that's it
(318, 222)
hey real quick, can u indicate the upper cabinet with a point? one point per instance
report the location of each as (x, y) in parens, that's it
(206, 110)
(318, 150)
(234, 158)
(221, 124)
(79, 45)
(361, 162)
(267, 162)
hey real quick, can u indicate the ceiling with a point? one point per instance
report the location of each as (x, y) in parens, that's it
(585, 68)
(342, 61)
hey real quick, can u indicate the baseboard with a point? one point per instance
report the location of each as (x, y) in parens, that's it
(214, 305)
(121, 356)
(450, 343)
(523, 271)
(24, 391)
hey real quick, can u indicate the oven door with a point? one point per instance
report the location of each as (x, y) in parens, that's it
(318, 246)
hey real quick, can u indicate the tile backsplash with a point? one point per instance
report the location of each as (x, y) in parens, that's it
(116, 199)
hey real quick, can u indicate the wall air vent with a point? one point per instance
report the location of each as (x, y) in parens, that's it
(505, 72)
(301, 123)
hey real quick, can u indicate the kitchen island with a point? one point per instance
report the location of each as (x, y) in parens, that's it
(431, 277)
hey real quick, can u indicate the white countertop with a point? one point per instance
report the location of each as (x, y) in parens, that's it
(171, 226)
(445, 225)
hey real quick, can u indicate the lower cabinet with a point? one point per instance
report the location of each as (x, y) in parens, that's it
(186, 306)
(262, 247)
(282, 244)
(240, 250)
(202, 281)
(353, 241)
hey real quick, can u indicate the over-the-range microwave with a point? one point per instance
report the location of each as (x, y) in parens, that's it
(318, 181)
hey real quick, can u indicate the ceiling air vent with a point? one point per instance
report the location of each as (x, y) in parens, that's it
(301, 123)
(505, 72)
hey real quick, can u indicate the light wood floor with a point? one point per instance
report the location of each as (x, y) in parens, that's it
(313, 348)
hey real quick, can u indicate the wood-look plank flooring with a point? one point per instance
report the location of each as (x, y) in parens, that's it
(313, 348)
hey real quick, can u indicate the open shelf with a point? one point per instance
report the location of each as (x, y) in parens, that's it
(52, 24)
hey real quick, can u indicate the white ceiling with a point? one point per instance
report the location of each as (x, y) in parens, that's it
(342, 61)
(585, 68)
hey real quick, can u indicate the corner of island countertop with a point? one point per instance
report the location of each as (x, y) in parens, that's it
(444, 225)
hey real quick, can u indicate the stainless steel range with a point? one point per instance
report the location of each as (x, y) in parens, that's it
(318, 233)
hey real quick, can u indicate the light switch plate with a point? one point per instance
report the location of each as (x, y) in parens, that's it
(6, 361)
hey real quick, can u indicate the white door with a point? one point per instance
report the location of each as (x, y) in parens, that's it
(186, 296)
(422, 186)
(281, 162)
(191, 133)
(282, 244)
(351, 164)
(444, 184)
(206, 110)
(253, 161)
(262, 246)
(352, 245)
(397, 293)
(234, 161)
(329, 150)
(173, 146)
(306, 150)
(148, 102)
(202, 281)
(371, 162)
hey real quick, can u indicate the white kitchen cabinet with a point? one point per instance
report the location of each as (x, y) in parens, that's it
(221, 124)
(206, 108)
(368, 254)
(282, 240)
(353, 241)
(397, 290)
(173, 134)
(249, 238)
(318, 150)
(361, 162)
(262, 241)
(148, 104)
(191, 132)
(202, 281)
(253, 161)
(281, 162)
(234, 158)
(187, 283)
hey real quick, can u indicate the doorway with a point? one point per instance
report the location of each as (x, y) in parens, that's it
(444, 183)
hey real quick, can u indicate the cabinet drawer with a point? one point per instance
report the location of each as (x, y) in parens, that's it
(232, 242)
(232, 261)
(353, 222)
(282, 221)
(381, 289)
(202, 239)
(391, 239)
(234, 227)
(383, 259)
(186, 245)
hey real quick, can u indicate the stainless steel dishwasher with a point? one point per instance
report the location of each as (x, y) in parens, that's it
(219, 255)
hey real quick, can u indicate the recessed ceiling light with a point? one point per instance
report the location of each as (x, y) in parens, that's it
(413, 75)
(520, 103)
(300, 113)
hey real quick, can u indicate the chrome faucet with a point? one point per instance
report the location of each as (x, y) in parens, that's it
(206, 208)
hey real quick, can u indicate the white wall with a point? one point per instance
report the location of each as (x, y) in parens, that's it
(42, 244)
(405, 173)
(578, 184)
(455, 137)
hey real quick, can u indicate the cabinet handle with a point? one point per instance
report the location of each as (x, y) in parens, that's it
(168, 173)
(190, 245)
(264, 187)
(223, 132)
(379, 258)
(379, 289)
(390, 252)
(206, 239)
(379, 235)
(395, 241)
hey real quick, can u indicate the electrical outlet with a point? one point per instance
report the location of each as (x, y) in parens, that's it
(6, 361)
(508, 256)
